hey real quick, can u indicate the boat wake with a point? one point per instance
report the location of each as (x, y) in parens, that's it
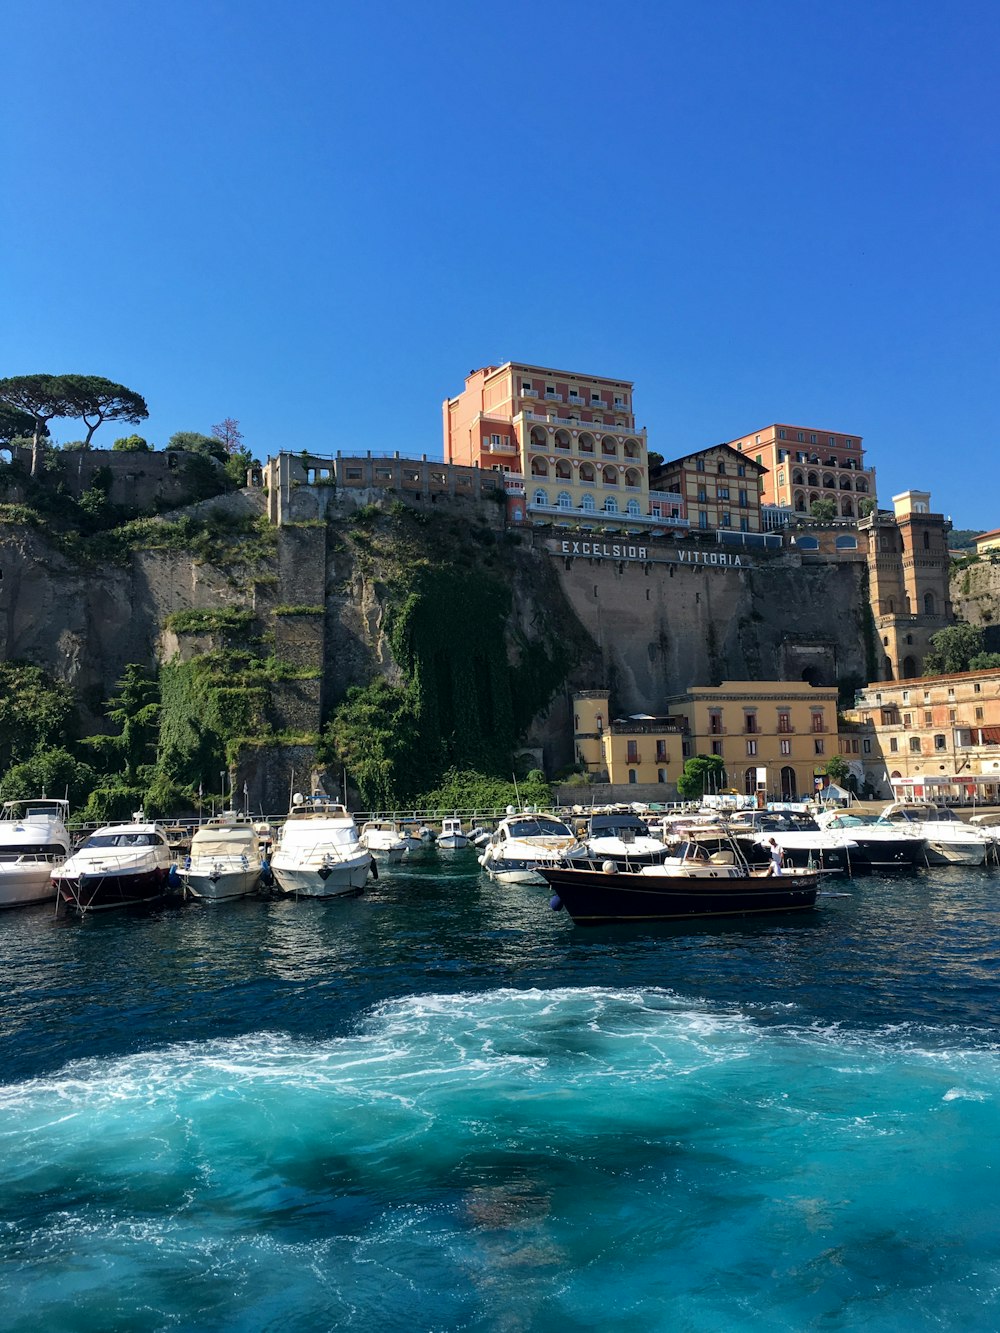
(569, 1157)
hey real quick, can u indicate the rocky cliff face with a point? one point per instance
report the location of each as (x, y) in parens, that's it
(321, 597)
(975, 592)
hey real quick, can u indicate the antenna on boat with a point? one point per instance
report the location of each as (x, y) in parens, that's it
(517, 794)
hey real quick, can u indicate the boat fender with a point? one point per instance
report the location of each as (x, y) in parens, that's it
(609, 867)
(173, 878)
(373, 869)
(555, 902)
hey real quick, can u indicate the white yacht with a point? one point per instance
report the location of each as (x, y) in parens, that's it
(33, 841)
(524, 843)
(625, 838)
(948, 840)
(225, 860)
(880, 846)
(117, 866)
(384, 839)
(318, 853)
(451, 834)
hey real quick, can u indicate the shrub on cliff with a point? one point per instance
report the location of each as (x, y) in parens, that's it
(36, 712)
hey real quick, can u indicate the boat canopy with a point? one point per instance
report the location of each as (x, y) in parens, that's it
(224, 841)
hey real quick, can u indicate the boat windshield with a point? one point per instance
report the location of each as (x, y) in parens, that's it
(122, 840)
(613, 826)
(538, 828)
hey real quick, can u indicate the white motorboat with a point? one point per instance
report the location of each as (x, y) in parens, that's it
(225, 860)
(522, 844)
(33, 841)
(949, 841)
(411, 836)
(118, 866)
(451, 834)
(318, 853)
(803, 843)
(623, 838)
(880, 846)
(384, 839)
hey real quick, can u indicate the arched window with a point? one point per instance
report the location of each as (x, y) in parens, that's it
(564, 500)
(539, 467)
(928, 603)
(807, 544)
(611, 505)
(563, 469)
(562, 439)
(609, 446)
(828, 481)
(813, 479)
(633, 508)
(586, 443)
(750, 781)
(940, 743)
(800, 503)
(861, 485)
(540, 497)
(539, 438)
(632, 477)
(847, 510)
(846, 543)
(609, 476)
(587, 504)
(798, 479)
(587, 473)
(789, 786)
(914, 745)
(632, 449)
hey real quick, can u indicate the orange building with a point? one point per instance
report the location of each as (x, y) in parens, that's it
(571, 437)
(804, 464)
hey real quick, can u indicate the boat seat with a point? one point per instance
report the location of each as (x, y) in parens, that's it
(722, 858)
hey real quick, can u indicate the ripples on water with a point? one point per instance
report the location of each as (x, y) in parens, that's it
(441, 1106)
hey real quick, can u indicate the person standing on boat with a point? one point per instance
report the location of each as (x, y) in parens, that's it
(777, 857)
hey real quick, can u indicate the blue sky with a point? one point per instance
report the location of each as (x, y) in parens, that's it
(318, 217)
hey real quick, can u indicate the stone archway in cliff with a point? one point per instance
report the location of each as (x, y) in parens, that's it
(6, 455)
(812, 675)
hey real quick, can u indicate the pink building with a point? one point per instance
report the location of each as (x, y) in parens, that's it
(571, 438)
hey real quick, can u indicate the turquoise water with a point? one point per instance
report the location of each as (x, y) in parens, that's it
(443, 1107)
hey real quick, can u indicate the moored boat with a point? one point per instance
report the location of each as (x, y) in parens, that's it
(451, 834)
(522, 844)
(224, 862)
(119, 865)
(692, 884)
(623, 838)
(948, 840)
(33, 841)
(879, 846)
(318, 853)
(384, 839)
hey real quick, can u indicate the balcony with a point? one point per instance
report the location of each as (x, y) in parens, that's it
(554, 398)
(501, 447)
(597, 516)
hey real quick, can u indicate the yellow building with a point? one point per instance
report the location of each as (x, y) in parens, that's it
(721, 488)
(988, 541)
(937, 735)
(626, 751)
(775, 733)
(778, 735)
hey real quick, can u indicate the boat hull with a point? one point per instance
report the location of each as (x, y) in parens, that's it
(339, 881)
(100, 891)
(20, 886)
(940, 853)
(217, 887)
(594, 898)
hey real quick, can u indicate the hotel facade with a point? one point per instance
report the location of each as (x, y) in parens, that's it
(803, 464)
(568, 443)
